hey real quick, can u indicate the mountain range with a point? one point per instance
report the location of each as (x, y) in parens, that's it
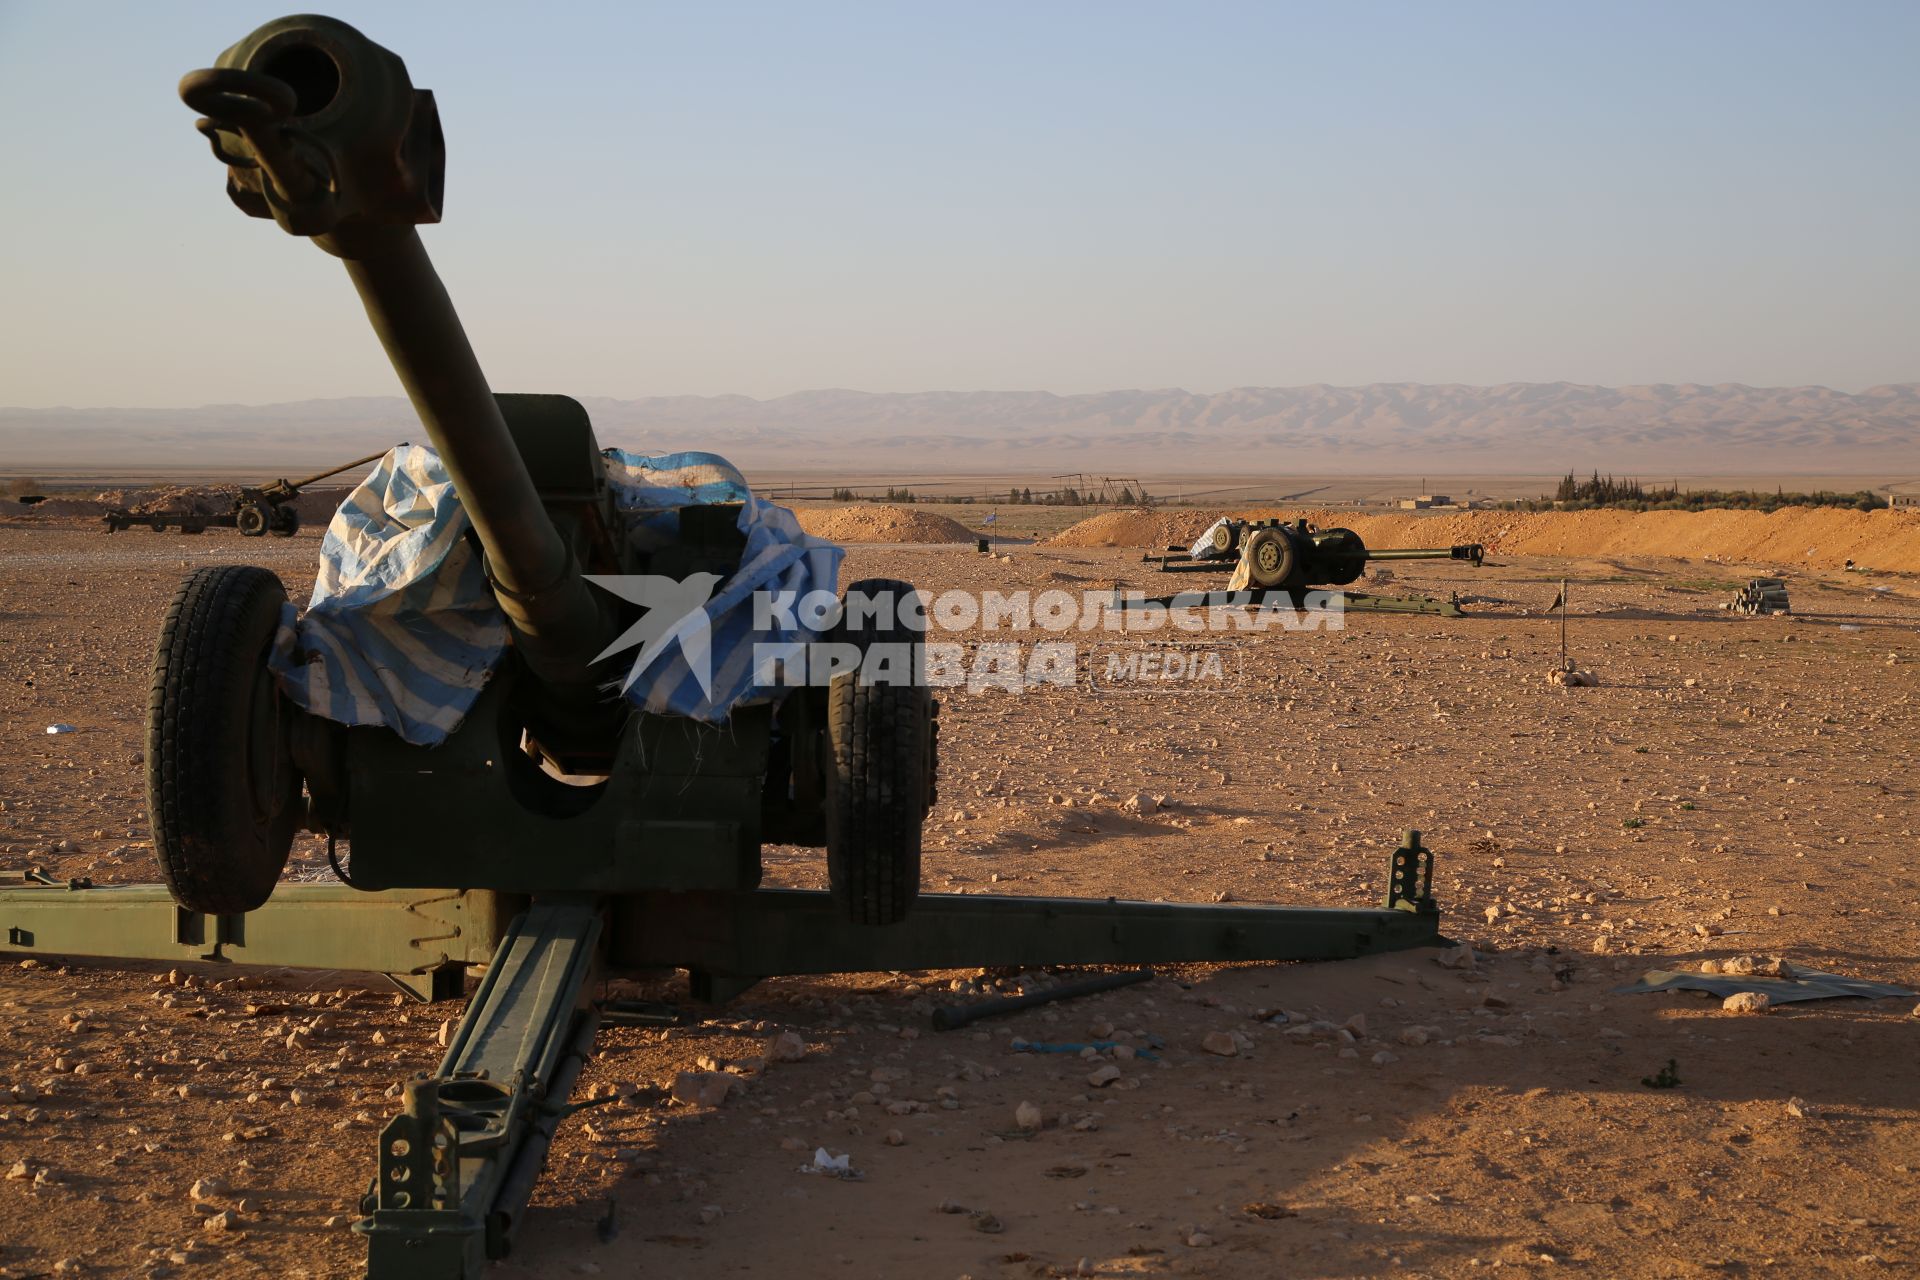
(1382, 427)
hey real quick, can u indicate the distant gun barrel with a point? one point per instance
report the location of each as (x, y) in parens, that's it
(322, 131)
(1472, 552)
(291, 487)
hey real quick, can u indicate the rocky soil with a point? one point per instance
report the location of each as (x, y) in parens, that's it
(1730, 787)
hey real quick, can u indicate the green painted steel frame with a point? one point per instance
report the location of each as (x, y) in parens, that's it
(729, 940)
(473, 1136)
(405, 933)
(680, 807)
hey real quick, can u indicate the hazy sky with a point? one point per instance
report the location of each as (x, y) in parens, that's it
(705, 198)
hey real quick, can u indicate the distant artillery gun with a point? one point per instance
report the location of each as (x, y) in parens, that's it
(256, 512)
(1272, 557)
(1761, 597)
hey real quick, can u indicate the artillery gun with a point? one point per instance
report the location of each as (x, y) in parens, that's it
(255, 513)
(1287, 558)
(559, 830)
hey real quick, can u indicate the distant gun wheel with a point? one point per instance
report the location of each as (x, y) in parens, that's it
(223, 795)
(284, 523)
(251, 519)
(879, 785)
(1271, 558)
(1225, 535)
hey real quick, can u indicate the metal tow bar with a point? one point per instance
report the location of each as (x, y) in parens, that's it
(458, 1165)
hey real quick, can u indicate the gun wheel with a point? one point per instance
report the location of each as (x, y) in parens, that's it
(223, 795)
(879, 728)
(1270, 558)
(251, 519)
(284, 523)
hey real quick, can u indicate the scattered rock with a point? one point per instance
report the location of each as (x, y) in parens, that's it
(702, 1088)
(1221, 1043)
(225, 1220)
(207, 1189)
(1801, 1109)
(1102, 1076)
(1747, 1002)
(788, 1046)
(1029, 1117)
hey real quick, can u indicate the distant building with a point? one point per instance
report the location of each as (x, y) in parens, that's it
(1424, 501)
(1909, 501)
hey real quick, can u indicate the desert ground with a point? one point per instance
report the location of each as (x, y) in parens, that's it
(1731, 787)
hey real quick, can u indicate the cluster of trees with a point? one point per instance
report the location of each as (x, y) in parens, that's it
(1599, 493)
(1072, 497)
(1068, 497)
(892, 495)
(1631, 495)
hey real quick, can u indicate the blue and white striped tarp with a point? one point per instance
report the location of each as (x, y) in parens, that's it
(403, 631)
(779, 557)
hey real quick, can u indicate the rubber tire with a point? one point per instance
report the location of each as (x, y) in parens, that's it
(284, 522)
(1224, 539)
(223, 796)
(251, 519)
(880, 740)
(1282, 571)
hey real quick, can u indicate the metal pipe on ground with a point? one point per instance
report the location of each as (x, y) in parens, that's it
(952, 1016)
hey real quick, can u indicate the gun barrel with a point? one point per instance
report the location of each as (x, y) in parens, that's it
(323, 132)
(533, 572)
(1470, 551)
(293, 486)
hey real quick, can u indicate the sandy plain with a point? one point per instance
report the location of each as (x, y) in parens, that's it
(1732, 786)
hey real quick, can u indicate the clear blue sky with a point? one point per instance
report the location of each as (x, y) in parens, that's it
(647, 199)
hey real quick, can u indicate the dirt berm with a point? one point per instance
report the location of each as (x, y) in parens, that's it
(881, 524)
(1817, 537)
